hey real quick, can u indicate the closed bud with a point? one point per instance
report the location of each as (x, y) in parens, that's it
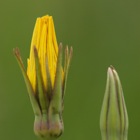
(114, 118)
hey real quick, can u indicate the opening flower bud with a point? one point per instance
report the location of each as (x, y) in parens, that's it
(46, 78)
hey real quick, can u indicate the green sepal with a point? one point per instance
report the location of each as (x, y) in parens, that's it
(122, 108)
(43, 101)
(32, 97)
(56, 100)
(55, 108)
(68, 57)
(49, 84)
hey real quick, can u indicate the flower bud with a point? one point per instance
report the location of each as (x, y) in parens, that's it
(114, 118)
(46, 78)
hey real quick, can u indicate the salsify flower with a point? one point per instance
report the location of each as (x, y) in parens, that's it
(46, 78)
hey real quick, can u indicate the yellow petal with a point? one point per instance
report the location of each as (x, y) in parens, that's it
(44, 39)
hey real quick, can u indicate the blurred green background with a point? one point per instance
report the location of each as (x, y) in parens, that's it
(102, 33)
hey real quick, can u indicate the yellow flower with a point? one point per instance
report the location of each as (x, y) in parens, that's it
(45, 78)
(44, 39)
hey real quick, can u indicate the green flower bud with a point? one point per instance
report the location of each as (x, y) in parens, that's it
(114, 118)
